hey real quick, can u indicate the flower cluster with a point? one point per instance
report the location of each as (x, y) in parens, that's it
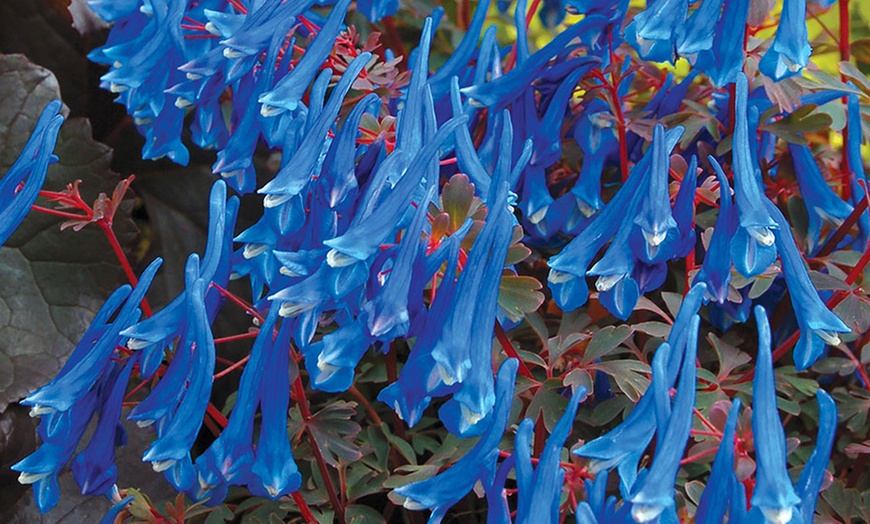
(399, 218)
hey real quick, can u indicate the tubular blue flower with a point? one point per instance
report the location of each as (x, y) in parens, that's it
(818, 325)
(468, 360)
(655, 217)
(568, 269)
(29, 169)
(594, 135)
(774, 493)
(248, 35)
(503, 90)
(89, 359)
(714, 501)
(540, 492)
(42, 467)
(375, 10)
(684, 211)
(287, 93)
(752, 247)
(791, 49)
(369, 229)
(94, 468)
(716, 268)
(445, 489)
(823, 205)
(696, 36)
(856, 163)
(654, 493)
(654, 31)
(274, 471)
(419, 378)
(228, 459)
(386, 316)
(298, 170)
(153, 334)
(622, 446)
(235, 161)
(813, 474)
(724, 61)
(176, 436)
(331, 361)
(116, 510)
(461, 54)
(340, 159)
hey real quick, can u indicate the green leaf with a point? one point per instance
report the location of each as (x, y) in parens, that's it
(854, 74)
(804, 119)
(549, 403)
(855, 312)
(518, 295)
(456, 198)
(358, 514)
(730, 358)
(653, 329)
(605, 341)
(51, 282)
(332, 430)
(631, 376)
(404, 449)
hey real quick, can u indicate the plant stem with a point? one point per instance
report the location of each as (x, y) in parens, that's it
(305, 410)
(125, 264)
(303, 508)
(510, 351)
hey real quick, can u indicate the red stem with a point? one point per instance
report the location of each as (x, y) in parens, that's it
(305, 410)
(510, 350)
(125, 264)
(845, 55)
(303, 508)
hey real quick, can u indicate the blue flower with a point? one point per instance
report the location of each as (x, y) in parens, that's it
(653, 31)
(287, 93)
(714, 501)
(176, 435)
(42, 467)
(724, 60)
(593, 133)
(94, 468)
(813, 474)
(696, 36)
(774, 493)
(374, 10)
(622, 446)
(228, 459)
(818, 325)
(274, 472)
(716, 268)
(386, 316)
(503, 90)
(654, 492)
(823, 205)
(88, 360)
(752, 248)
(419, 379)
(540, 490)
(856, 164)
(791, 49)
(30, 169)
(445, 489)
(650, 237)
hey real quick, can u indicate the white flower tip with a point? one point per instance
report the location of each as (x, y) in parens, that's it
(338, 259)
(777, 515)
(254, 250)
(606, 282)
(232, 54)
(162, 465)
(645, 512)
